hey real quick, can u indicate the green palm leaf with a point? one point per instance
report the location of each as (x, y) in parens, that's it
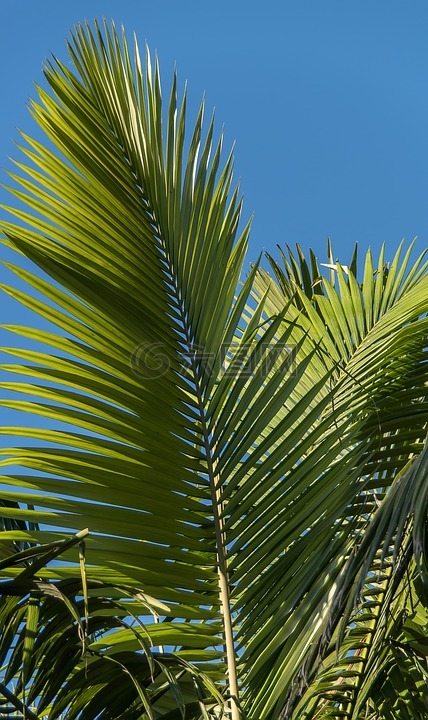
(226, 444)
(393, 421)
(68, 652)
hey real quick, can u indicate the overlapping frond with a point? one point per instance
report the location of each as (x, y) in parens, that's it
(67, 645)
(377, 664)
(377, 386)
(227, 445)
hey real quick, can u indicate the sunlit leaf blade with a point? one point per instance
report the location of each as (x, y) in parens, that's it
(236, 446)
(365, 367)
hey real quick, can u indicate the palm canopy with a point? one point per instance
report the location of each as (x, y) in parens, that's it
(235, 448)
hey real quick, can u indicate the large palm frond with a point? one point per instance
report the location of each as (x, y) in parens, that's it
(227, 454)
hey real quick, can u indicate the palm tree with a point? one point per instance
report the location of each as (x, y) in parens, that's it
(247, 453)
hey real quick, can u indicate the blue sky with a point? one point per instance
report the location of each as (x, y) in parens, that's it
(328, 103)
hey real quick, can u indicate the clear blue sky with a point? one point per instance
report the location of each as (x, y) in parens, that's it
(327, 100)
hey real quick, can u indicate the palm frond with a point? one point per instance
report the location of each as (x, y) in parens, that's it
(227, 445)
(391, 419)
(67, 645)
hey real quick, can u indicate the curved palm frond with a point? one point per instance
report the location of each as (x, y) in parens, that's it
(141, 240)
(382, 634)
(227, 455)
(392, 424)
(68, 645)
